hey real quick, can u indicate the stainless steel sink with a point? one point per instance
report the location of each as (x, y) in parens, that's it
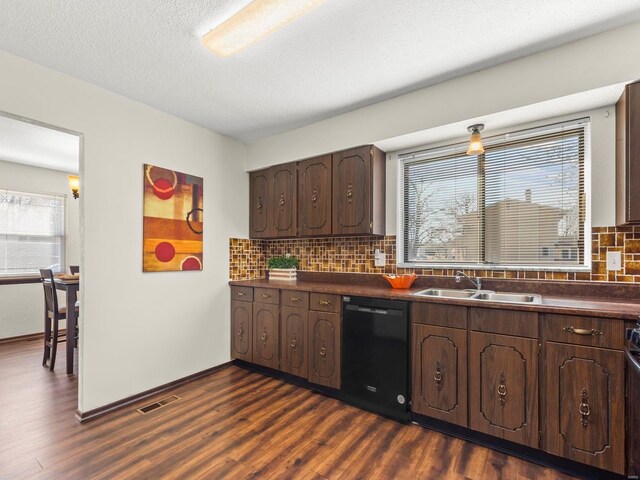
(446, 293)
(482, 295)
(509, 297)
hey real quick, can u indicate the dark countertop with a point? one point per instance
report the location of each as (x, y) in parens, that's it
(569, 305)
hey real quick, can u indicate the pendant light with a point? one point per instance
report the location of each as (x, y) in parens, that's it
(74, 185)
(475, 142)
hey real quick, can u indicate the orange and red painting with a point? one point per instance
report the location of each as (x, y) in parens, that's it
(172, 231)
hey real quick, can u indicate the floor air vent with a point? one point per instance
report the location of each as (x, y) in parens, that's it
(159, 404)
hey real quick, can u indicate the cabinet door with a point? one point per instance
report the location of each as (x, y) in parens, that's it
(241, 333)
(260, 204)
(584, 405)
(352, 191)
(503, 387)
(440, 373)
(284, 200)
(293, 341)
(324, 349)
(314, 196)
(265, 334)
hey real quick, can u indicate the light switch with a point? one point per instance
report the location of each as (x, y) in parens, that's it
(614, 261)
(380, 259)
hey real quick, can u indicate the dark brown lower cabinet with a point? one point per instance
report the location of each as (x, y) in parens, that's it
(265, 334)
(241, 332)
(503, 387)
(583, 405)
(293, 340)
(324, 348)
(440, 373)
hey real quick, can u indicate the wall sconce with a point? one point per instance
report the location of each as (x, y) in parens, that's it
(475, 142)
(74, 185)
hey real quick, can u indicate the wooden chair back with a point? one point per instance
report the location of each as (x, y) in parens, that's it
(74, 269)
(50, 297)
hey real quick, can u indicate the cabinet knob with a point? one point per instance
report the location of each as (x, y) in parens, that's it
(240, 332)
(502, 390)
(282, 199)
(323, 352)
(438, 376)
(349, 193)
(259, 204)
(583, 331)
(584, 408)
(263, 337)
(314, 198)
(293, 343)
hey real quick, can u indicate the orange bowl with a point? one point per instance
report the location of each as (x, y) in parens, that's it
(401, 281)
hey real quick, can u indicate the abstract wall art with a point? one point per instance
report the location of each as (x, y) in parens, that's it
(173, 214)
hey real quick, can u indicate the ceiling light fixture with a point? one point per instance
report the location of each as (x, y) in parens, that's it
(475, 142)
(254, 22)
(74, 185)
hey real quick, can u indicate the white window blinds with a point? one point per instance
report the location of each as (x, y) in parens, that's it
(31, 232)
(521, 203)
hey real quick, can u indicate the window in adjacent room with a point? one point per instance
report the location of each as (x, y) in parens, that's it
(521, 203)
(31, 232)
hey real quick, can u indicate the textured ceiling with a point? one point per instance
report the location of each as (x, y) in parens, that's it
(23, 142)
(343, 55)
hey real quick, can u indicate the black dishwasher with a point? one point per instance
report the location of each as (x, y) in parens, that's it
(375, 355)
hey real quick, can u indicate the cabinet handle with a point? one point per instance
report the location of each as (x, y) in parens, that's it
(314, 198)
(324, 302)
(263, 337)
(502, 390)
(293, 343)
(259, 204)
(295, 299)
(323, 352)
(282, 199)
(584, 408)
(264, 295)
(241, 294)
(438, 376)
(583, 331)
(349, 193)
(240, 332)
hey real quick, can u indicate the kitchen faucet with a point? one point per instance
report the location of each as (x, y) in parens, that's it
(477, 282)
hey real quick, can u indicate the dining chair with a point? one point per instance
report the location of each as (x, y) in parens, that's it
(74, 269)
(53, 313)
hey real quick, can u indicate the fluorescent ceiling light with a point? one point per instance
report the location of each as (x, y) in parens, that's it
(254, 22)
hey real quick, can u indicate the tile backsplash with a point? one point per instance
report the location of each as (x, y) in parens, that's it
(248, 258)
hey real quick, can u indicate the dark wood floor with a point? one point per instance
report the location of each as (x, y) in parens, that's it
(233, 424)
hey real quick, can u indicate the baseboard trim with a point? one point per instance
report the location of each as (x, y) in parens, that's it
(89, 415)
(22, 338)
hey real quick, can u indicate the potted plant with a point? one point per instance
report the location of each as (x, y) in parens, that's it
(282, 268)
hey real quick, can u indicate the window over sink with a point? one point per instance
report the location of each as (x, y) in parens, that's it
(32, 232)
(522, 203)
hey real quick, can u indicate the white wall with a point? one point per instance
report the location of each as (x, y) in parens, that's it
(21, 305)
(138, 330)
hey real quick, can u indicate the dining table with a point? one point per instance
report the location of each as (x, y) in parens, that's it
(71, 286)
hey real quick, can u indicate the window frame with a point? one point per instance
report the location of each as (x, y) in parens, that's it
(508, 136)
(25, 277)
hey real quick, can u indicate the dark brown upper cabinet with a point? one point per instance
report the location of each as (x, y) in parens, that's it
(260, 204)
(284, 200)
(314, 196)
(342, 193)
(359, 191)
(628, 156)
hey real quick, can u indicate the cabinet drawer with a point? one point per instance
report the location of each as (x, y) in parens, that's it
(438, 314)
(267, 295)
(323, 302)
(506, 322)
(244, 294)
(293, 298)
(590, 331)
